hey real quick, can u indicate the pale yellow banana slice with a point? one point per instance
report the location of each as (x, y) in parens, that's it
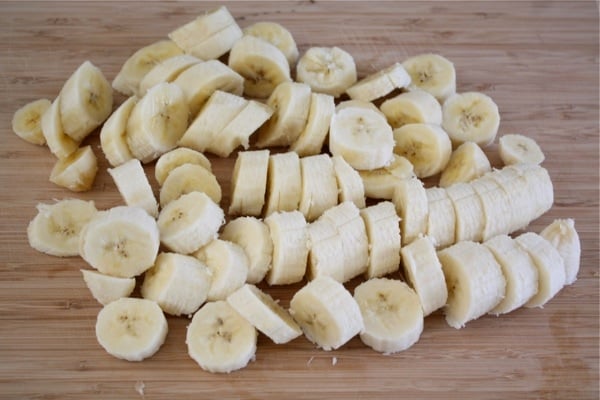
(468, 210)
(77, 171)
(441, 222)
(327, 313)
(219, 43)
(134, 187)
(310, 141)
(328, 70)
(131, 329)
(284, 183)
(178, 283)
(175, 158)
(427, 147)
(113, 135)
(380, 183)
(27, 121)
(219, 339)
(470, 117)
(59, 144)
(433, 73)
(166, 71)
(539, 189)
(358, 103)
(380, 84)
(349, 182)
(289, 234)
(249, 183)
(467, 162)
(325, 247)
(106, 288)
(383, 231)
(562, 234)
(410, 199)
(522, 203)
(516, 149)
(319, 186)
(416, 106)
(496, 206)
(278, 36)
(56, 228)
(392, 315)
(189, 178)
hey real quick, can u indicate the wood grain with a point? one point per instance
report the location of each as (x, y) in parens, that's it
(538, 60)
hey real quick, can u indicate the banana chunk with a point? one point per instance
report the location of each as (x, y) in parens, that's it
(77, 171)
(189, 178)
(319, 186)
(310, 141)
(278, 36)
(328, 70)
(284, 182)
(349, 182)
(516, 149)
(106, 288)
(58, 142)
(325, 247)
(167, 71)
(113, 135)
(383, 231)
(433, 73)
(467, 162)
(561, 233)
(289, 234)
(414, 107)
(134, 187)
(249, 183)
(410, 199)
(379, 84)
(178, 157)
(497, 209)
(441, 221)
(380, 183)
(468, 211)
(470, 117)
(427, 147)
(27, 121)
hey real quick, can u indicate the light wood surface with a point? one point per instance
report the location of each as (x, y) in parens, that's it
(538, 60)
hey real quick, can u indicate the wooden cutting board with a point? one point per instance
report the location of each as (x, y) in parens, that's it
(538, 60)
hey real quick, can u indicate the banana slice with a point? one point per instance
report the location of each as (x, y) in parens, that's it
(113, 135)
(427, 147)
(423, 272)
(122, 241)
(467, 162)
(349, 182)
(383, 231)
(284, 183)
(516, 149)
(380, 84)
(27, 121)
(56, 228)
(131, 329)
(140, 63)
(468, 211)
(362, 136)
(496, 206)
(264, 313)
(86, 101)
(219, 339)
(190, 222)
(310, 141)
(325, 246)
(380, 183)
(539, 189)
(319, 186)
(252, 235)
(392, 315)
(77, 171)
(262, 65)
(179, 284)
(328, 70)
(562, 235)
(327, 313)
(134, 187)
(414, 107)
(178, 157)
(433, 73)
(441, 222)
(474, 279)
(106, 288)
(189, 178)
(278, 36)
(289, 234)
(470, 117)
(59, 144)
(358, 103)
(519, 271)
(167, 71)
(249, 183)
(410, 199)
(291, 104)
(157, 122)
(522, 203)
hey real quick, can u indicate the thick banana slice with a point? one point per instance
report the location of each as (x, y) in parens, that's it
(468, 211)
(264, 313)
(467, 162)
(190, 222)
(289, 234)
(189, 178)
(349, 182)
(249, 183)
(113, 135)
(106, 288)
(284, 183)
(517, 149)
(122, 241)
(433, 73)
(311, 139)
(166, 71)
(59, 144)
(131, 329)
(319, 186)
(325, 248)
(219, 339)
(328, 70)
(410, 199)
(278, 36)
(562, 234)
(392, 315)
(77, 171)
(178, 283)
(414, 107)
(496, 206)
(539, 188)
(441, 222)
(427, 147)
(327, 313)
(470, 117)
(380, 84)
(383, 231)
(56, 228)
(27, 121)
(380, 183)
(178, 157)
(134, 187)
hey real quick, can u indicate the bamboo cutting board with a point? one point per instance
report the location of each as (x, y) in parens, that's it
(537, 60)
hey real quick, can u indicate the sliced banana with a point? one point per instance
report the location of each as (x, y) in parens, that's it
(427, 147)
(383, 231)
(539, 189)
(319, 186)
(380, 183)
(410, 199)
(278, 36)
(113, 135)
(468, 211)
(27, 121)
(134, 187)
(189, 178)
(441, 222)
(328, 70)
(561, 233)
(470, 117)
(249, 183)
(467, 162)
(167, 71)
(59, 144)
(77, 171)
(325, 246)
(310, 141)
(416, 106)
(175, 158)
(380, 84)
(289, 234)
(349, 182)
(358, 103)
(516, 149)
(284, 183)
(106, 288)
(496, 206)
(433, 73)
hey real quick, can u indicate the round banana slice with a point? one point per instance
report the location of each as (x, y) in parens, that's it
(470, 117)
(189, 178)
(106, 288)
(310, 141)
(113, 139)
(467, 162)
(249, 183)
(383, 231)
(379, 84)
(284, 183)
(349, 182)
(278, 36)
(325, 247)
(77, 171)
(433, 73)
(517, 149)
(319, 186)
(441, 222)
(427, 147)
(27, 121)
(380, 183)
(561, 234)
(288, 230)
(175, 158)
(416, 106)
(328, 70)
(167, 71)
(58, 142)
(410, 199)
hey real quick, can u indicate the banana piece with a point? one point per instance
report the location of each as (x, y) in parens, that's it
(423, 272)
(122, 241)
(157, 122)
(291, 104)
(562, 235)
(516, 149)
(383, 231)
(416, 106)
(358, 103)
(178, 157)
(474, 279)
(59, 144)
(56, 228)
(284, 182)
(310, 141)
(131, 329)
(362, 136)
(179, 284)
(327, 313)
(470, 117)
(106, 288)
(427, 147)
(27, 121)
(167, 71)
(328, 70)
(77, 171)
(278, 36)
(264, 313)
(319, 186)
(441, 222)
(496, 206)
(262, 65)
(468, 211)
(113, 135)
(190, 222)
(252, 235)
(539, 189)
(219, 339)
(522, 202)
(140, 63)
(325, 247)
(189, 178)
(467, 162)
(519, 271)
(380, 183)
(289, 234)
(228, 266)
(433, 73)
(134, 187)
(249, 183)
(392, 315)
(380, 84)
(349, 182)
(410, 199)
